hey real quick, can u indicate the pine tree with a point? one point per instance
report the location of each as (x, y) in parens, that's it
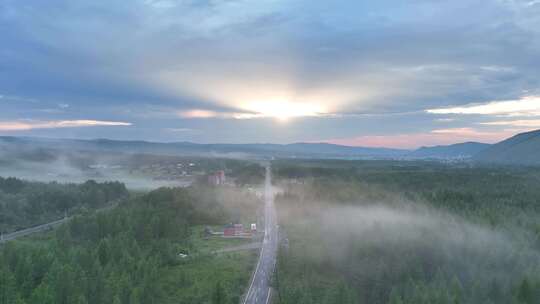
(456, 291)
(525, 293)
(135, 297)
(42, 295)
(82, 300)
(395, 298)
(495, 292)
(341, 294)
(103, 252)
(218, 296)
(8, 290)
(116, 300)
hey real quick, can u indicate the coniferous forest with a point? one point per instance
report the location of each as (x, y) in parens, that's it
(145, 250)
(398, 232)
(25, 204)
(350, 232)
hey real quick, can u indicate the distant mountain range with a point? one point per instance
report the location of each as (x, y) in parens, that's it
(521, 149)
(187, 148)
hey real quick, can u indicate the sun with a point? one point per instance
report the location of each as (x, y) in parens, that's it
(284, 110)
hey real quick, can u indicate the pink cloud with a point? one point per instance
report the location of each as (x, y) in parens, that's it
(22, 125)
(415, 140)
(198, 114)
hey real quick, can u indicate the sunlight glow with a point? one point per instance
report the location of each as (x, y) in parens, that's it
(284, 110)
(280, 110)
(247, 96)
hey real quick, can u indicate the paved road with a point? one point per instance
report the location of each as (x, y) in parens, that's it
(259, 289)
(28, 231)
(21, 233)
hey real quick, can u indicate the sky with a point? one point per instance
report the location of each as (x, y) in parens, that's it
(399, 74)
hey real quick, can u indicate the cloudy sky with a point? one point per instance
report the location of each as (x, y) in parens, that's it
(369, 73)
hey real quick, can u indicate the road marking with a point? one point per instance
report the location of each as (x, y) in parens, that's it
(261, 278)
(254, 275)
(268, 297)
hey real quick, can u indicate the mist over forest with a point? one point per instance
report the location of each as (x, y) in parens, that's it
(376, 234)
(269, 152)
(143, 171)
(350, 231)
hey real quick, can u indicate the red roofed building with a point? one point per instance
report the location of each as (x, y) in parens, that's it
(217, 178)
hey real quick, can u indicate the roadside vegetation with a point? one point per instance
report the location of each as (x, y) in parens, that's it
(407, 233)
(25, 204)
(149, 249)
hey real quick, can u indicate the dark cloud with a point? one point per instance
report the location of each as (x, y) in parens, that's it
(143, 61)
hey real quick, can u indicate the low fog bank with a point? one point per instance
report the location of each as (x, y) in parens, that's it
(400, 249)
(62, 171)
(137, 171)
(433, 237)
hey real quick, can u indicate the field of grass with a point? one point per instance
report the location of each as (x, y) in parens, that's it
(206, 245)
(196, 278)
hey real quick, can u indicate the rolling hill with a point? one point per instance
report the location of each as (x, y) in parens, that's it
(461, 150)
(521, 149)
(41, 146)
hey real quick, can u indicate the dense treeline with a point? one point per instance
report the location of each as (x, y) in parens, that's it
(24, 204)
(493, 195)
(125, 255)
(249, 174)
(409, 233)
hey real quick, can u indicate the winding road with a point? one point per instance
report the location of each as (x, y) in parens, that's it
(259, 291)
